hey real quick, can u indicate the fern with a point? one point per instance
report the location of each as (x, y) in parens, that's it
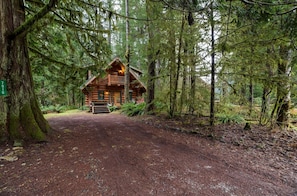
(131, 109)
(112, 108)
(230, 118)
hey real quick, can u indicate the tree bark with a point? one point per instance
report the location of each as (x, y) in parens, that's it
(151, 62)
(172, 74)
(267, 89)
(192, 87)
(283, 88)
(21, 118)
(251, 96)
(191, 59)
(127, 55)
(265, 105)
(151, 85)
(179, 61)
(183, 95)
(212, 93)
(175, 69)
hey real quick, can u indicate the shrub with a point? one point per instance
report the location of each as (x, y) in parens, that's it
(131, 109)
(47, 109)
(293, 113)
(57, 108)
(84, 108)
(61, 108)
(112, 108)
(230, 118)
(160, 106)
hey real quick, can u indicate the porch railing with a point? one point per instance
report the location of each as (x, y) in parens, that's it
(116, 80)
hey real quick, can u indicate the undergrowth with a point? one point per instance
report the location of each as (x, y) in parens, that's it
(132, 109)
(227, 118)
(112, 108)
(56, 108)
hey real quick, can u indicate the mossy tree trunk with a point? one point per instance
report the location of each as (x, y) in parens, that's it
(21, 118)
(283, 88)
(267, 89)
(265, 105)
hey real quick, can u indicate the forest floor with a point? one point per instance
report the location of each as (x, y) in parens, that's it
(111, 154)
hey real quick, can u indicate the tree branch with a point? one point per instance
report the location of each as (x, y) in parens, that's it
(28, 23)
(36, 51)
(112, 12)
(253, 2)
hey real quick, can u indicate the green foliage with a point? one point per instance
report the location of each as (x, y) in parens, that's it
(84, 108)
(293, 113)
(61, 108)
(243, 111)
(112, 108)
(63, 52)
(56, 108)
(47, 109)
(160, 106)
(131, 109)
(258, 101)
(227, 118)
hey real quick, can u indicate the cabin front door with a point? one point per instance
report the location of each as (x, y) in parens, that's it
(117, 96)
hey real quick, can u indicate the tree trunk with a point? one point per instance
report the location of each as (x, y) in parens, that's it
(183, 95)
(267, 89)
(283, 88)
(265, 106)
(151, 86)
(21, 118)
(151, 62)
(174, 70)
(212, 93)
(192, 88)
(178, 61)
(191, 59)
(127, 55)
(251, 96)
(172, 73)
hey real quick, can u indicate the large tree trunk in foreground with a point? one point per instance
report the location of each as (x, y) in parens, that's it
(20, 116)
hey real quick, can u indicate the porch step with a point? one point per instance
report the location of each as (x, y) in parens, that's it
(100, 109)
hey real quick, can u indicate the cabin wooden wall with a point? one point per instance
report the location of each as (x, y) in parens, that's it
(93, 96)
(101, 84)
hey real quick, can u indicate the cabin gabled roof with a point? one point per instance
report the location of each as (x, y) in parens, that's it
(87, 82)
(137, 77)
(133, 71)
(117, 60)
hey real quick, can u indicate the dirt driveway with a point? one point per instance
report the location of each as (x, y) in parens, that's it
(110, 154)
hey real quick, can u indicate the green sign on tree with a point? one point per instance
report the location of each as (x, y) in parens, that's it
(3, 88)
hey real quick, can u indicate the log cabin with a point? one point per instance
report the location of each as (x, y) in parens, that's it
(108, 89)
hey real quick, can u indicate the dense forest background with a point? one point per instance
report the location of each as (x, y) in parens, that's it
(233, 60)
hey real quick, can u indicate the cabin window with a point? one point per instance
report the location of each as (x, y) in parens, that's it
(100, 95)
(130, 96)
